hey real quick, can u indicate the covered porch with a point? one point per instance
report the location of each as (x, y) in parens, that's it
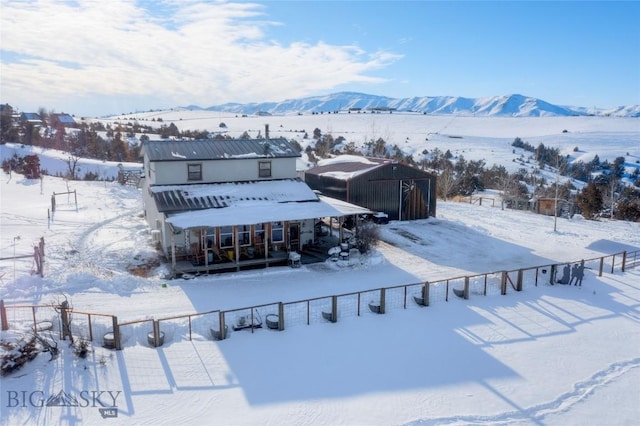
(212, 240)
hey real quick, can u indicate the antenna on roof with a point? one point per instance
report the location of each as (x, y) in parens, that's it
(266, 131)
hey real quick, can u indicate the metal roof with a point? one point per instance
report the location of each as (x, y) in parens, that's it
(65, 119)
(217, 149)
(246, 203)
(182, 198)
(348, 168)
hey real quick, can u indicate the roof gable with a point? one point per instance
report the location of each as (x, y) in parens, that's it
(217, 149)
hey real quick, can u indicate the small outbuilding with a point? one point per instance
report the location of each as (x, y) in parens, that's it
(401, 191)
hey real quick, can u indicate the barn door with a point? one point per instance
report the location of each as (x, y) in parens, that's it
(413, 200)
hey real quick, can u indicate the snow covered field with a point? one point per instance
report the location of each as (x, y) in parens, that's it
(553, 355)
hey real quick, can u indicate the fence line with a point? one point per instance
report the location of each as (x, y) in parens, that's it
(105, 328)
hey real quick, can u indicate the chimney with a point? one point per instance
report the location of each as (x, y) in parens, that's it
(266, 131)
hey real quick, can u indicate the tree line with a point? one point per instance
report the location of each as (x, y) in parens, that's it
(605, 192)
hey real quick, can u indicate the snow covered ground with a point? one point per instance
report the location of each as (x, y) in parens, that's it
(547, 355)
(553, 355)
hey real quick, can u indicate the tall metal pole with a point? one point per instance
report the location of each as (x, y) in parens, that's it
(555, 204)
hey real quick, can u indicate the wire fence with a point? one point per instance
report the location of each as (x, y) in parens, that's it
(104, 329)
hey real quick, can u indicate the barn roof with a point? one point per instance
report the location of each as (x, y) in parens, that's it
(346, 167)
(65, 119)
(32, 117)
(217, 149)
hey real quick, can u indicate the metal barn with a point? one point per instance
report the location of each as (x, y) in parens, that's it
(402, 192)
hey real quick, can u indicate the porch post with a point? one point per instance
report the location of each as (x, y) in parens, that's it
(267, 232)
(173, 248)
(236, 245)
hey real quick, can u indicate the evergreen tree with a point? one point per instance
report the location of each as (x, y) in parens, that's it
(589, 200)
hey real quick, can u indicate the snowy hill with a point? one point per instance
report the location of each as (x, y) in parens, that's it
(547, 355)
(496, 106)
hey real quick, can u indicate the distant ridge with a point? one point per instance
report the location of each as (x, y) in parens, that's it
(496, 106)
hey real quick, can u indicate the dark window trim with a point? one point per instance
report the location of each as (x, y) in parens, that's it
(264, 172)
(193, 175)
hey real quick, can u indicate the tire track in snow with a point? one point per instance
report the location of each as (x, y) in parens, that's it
(90, 257)
(536, 414)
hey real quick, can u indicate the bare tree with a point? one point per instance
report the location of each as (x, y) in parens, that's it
(446, 181)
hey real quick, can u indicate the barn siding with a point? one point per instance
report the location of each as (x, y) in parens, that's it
(379, 190)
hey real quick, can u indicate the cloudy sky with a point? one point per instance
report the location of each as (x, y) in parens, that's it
(99, 57)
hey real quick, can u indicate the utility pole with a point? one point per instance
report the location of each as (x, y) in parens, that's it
(555, 204)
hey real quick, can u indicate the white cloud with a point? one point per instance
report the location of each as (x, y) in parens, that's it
(183, 52)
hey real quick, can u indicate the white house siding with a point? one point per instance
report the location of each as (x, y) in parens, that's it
(231, 170)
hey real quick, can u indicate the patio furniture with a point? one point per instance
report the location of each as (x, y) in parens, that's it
(334, 252)
(294, 259)
(245, 322)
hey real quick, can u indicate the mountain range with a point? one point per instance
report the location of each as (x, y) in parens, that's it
(498, 106)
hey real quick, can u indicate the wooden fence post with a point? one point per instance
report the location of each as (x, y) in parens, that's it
(3, 316)
(90, 330)
(280, 316)
(613, 262)
(116, 333)
(425, 293)
(519, 282)
(156, 333)
(334, 308)
(382, 299)
(624, 260)
(223, 334)
(503, 283)
(466, 288)
(66, 321)
(601, 266)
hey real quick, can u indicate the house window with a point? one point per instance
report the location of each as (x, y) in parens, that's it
(244, 235)
(226, 236)
(194, 171)
(277, 232)
(209, 238)
(259, 231)
(264, 169)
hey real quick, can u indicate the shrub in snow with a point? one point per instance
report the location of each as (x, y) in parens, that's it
(13, 355)
(81, 348)
(368, 236)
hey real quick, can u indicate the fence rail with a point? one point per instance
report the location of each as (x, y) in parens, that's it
(105, 329)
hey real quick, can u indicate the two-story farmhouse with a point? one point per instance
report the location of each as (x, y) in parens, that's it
(221, 204)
